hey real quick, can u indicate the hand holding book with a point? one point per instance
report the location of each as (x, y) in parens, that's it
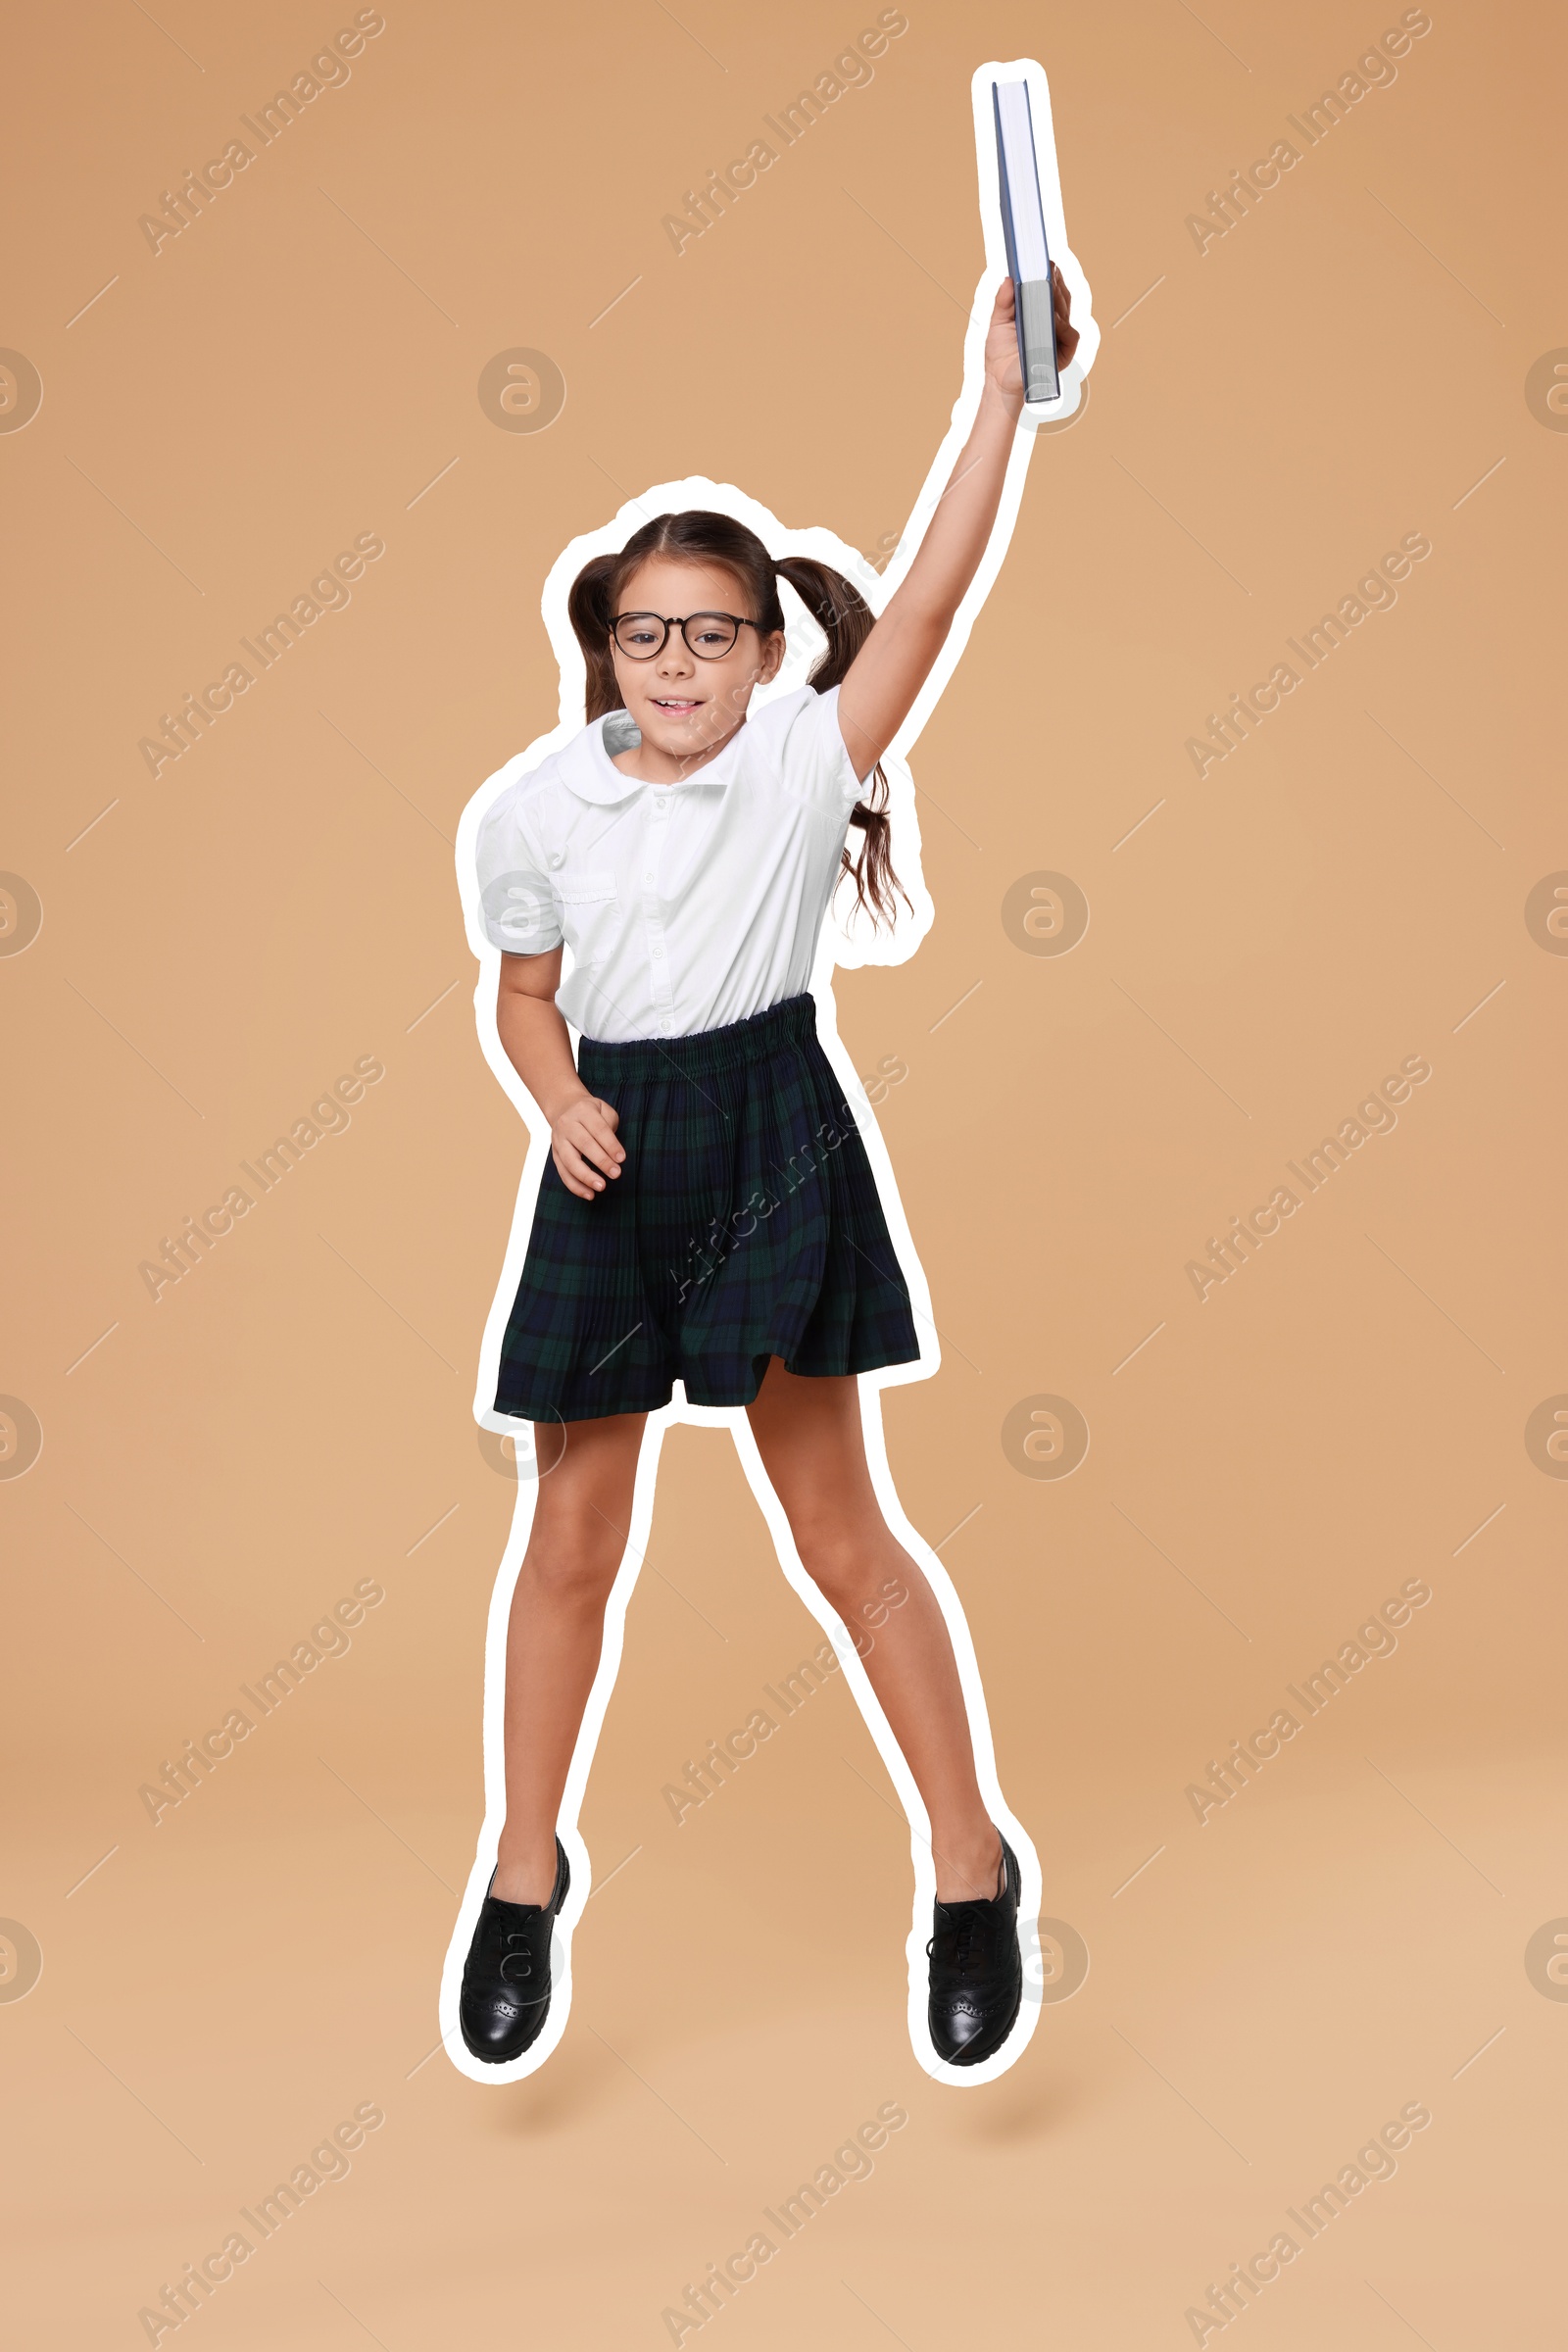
(1003, 368)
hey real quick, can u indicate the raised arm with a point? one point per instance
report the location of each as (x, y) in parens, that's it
(895, 662)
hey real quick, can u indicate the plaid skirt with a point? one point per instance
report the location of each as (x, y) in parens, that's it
(745, 1224)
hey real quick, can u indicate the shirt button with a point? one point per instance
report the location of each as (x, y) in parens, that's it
(558, 858)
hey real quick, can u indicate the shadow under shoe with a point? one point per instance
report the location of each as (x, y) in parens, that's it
(976, 1971)
(506, 1979)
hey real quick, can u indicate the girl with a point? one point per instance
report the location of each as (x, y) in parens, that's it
(708, 1213)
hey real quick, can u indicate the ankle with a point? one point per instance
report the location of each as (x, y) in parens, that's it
(968, 1867)
(525, 1870)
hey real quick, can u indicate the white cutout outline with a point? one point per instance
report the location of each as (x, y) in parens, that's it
(837, 946)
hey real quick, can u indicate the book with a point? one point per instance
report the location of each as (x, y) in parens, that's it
(1023, 225)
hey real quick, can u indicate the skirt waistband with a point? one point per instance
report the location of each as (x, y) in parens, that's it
(641, 1058)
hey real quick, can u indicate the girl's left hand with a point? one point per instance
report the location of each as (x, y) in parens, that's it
(1002, 335)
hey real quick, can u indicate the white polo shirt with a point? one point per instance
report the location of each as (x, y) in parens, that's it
(686, 906)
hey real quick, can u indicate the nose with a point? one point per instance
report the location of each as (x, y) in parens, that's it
(677, 659)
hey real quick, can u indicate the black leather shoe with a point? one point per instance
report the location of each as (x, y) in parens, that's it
(976, 1971)
(505, 1978)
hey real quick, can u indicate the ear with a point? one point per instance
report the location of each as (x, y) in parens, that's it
(772, 657)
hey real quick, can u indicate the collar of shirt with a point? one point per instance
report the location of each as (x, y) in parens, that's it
(588, 768)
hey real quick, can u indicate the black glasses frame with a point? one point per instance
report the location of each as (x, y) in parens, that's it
(675, 620)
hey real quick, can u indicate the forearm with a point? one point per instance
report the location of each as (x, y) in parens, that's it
(897, 657)
(537, 1044)
(948, 555)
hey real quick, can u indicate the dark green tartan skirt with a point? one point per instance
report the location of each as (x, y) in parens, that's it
(745, 1224)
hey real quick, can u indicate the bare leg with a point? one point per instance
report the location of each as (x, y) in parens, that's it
(556, 1632)
(809, 1438)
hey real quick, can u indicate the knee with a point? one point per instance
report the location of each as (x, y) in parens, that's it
(574, 1562)
(843, 1561)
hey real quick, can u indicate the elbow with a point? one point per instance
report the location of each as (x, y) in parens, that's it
(923, 626)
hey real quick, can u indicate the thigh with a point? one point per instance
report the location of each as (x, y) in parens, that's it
(810, 1437)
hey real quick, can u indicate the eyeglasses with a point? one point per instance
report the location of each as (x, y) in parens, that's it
(643, 636)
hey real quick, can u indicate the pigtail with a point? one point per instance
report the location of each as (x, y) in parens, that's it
(842, 612)
(838, 610)
(588, 610)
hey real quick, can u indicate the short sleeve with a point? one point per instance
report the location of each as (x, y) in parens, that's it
(517, 908)
(812, 759)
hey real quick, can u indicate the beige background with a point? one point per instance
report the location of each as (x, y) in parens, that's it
(217, 1469)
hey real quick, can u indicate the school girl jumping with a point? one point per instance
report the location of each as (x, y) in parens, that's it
(687, 852)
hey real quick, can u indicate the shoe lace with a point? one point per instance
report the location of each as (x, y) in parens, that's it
(961, 1944)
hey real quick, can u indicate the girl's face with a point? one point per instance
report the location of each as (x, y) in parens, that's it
(685, 703)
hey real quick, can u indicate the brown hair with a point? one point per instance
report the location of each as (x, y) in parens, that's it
(837, 607)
